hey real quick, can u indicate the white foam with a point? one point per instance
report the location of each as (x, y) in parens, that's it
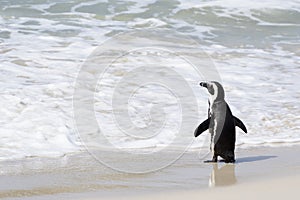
(41, 55)
(149, 23)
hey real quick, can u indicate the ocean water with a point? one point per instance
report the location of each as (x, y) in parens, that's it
(255, 48)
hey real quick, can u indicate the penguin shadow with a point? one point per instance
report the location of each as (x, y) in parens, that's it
(222, 176)
(253, 159)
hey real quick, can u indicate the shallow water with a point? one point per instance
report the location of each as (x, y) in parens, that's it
(254, 46)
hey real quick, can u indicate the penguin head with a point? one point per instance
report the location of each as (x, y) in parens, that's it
(215, 89)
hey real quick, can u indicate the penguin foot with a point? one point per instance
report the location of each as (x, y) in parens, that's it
(228, 161)
(213, 160)
(210, 161)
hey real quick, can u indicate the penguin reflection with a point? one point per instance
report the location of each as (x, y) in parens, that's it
(222, 176)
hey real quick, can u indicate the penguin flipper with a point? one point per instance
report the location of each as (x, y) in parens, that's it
(240, 124)
(202, 127)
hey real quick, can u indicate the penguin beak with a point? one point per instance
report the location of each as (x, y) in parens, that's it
(203, 84)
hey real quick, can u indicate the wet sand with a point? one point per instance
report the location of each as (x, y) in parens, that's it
(80, 176)
(276, 189)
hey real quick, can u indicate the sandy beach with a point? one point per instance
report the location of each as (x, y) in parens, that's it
(259, 171)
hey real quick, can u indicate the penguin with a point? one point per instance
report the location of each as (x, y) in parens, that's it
(221, 124)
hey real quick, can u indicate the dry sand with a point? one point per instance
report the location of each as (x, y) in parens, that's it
(259, 172)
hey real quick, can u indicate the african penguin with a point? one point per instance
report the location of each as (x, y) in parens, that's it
(221, 124)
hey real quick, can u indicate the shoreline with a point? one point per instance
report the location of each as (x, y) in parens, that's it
(79, 176)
